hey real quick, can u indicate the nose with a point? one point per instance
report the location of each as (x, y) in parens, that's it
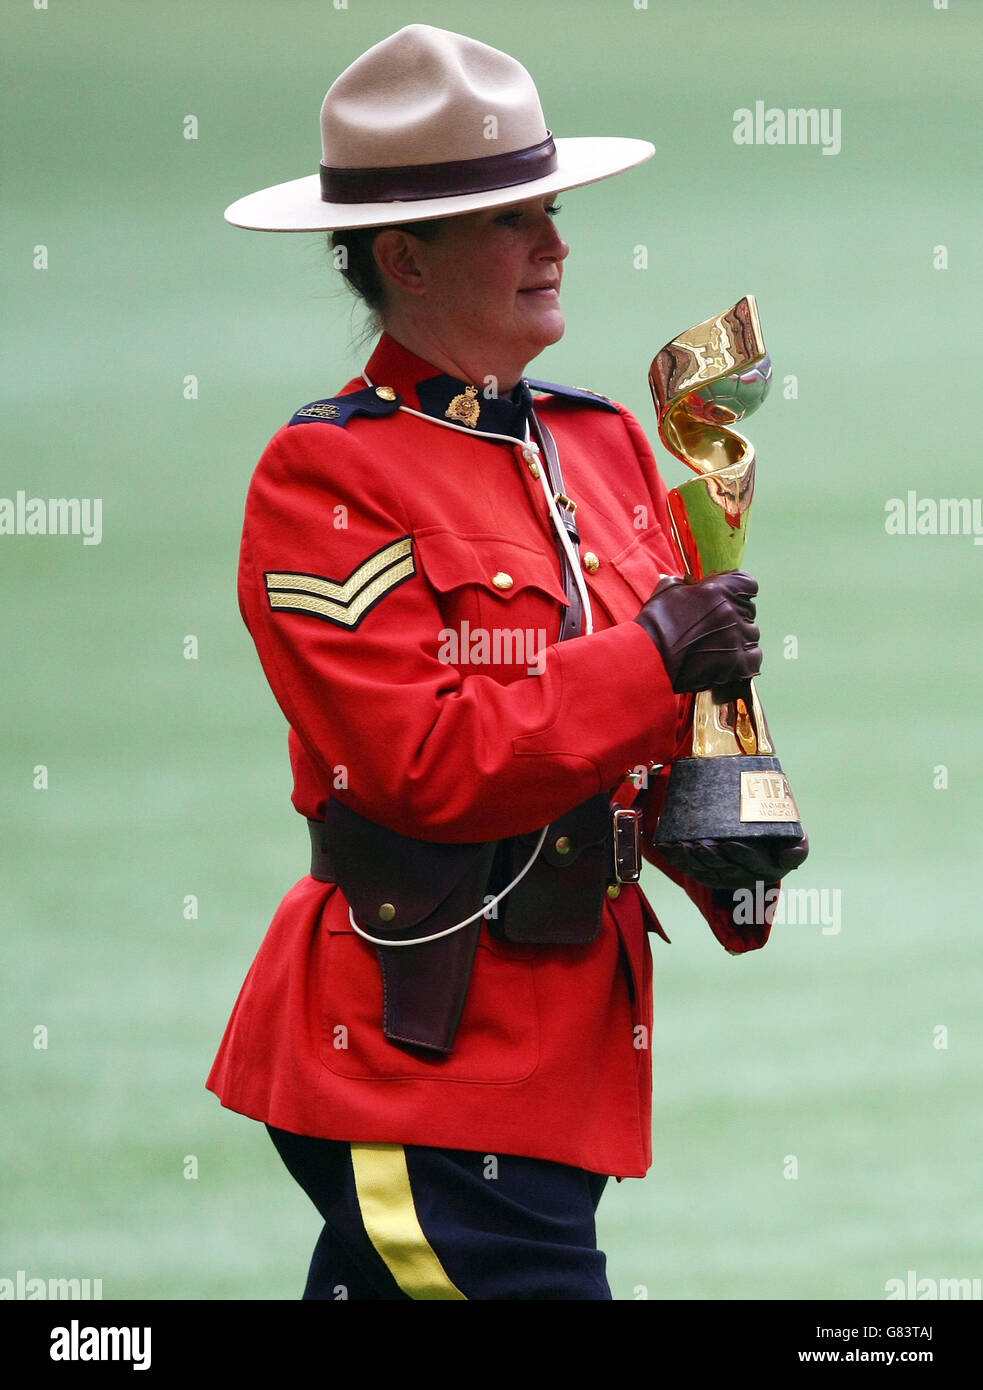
(554, 247)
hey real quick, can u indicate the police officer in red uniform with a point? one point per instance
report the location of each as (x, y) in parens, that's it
(463, 589)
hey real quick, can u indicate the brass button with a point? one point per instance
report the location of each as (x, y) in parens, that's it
(562, 844)
(614, 890)
(591, 563)
(386, 912)
(534, 469)
(501, 580)
(385, 393)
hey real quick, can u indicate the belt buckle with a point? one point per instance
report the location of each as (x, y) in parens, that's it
(626, 834)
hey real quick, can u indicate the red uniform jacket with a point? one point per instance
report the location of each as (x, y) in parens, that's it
(364, 546)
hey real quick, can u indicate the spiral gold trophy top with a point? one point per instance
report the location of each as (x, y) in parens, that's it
(703, 382)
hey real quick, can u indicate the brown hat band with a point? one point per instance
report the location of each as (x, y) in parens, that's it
(447, 179)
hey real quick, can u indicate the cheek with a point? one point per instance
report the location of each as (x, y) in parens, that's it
(487, 299)
(480, 284)
(500, 280)
(469, 287)
(451, 297)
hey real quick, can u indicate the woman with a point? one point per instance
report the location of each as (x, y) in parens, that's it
(446, 1029)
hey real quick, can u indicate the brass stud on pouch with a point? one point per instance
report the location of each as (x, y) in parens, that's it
(387, 912)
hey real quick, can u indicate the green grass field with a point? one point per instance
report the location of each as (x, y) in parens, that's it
(168, 777)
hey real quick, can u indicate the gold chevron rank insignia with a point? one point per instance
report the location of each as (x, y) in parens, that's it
(345, 602)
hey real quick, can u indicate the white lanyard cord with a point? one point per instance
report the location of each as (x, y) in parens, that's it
(449, 424)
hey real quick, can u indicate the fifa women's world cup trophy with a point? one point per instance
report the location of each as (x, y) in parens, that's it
(704, 381)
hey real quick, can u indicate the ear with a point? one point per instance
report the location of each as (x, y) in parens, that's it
(397, 256)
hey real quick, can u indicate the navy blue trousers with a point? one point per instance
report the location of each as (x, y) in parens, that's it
(421, 1223)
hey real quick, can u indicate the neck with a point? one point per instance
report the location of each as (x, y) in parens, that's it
(466, 364)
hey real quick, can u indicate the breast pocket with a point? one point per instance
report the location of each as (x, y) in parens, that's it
(501, 601)
(629, 578)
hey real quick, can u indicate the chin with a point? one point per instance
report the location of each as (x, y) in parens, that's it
(550, 331)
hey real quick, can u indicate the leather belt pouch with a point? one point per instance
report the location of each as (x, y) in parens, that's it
(560, 901)
(430, 886)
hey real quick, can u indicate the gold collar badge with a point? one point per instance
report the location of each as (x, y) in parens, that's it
(465, 408)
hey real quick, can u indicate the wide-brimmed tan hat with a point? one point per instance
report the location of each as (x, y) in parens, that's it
(431, 124)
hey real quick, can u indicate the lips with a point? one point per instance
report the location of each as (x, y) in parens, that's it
(547, 287)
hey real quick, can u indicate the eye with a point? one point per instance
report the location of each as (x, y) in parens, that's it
(515, 216)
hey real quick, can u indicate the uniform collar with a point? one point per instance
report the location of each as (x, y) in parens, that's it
(423, 387)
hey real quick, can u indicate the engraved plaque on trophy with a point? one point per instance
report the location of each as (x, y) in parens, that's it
(703, 382)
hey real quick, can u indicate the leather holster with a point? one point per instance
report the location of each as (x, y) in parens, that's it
(422, 888)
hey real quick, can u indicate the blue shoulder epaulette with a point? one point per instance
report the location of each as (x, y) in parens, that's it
(572, 393)
(338, 410)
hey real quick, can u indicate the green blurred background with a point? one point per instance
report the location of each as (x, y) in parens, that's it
(169, 777)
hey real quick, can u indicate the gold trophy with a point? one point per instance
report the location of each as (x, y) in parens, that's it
(704, 381)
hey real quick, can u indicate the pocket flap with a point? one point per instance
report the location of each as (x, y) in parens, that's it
(640, 565)
(587, 826)
(503, 567)
(376, 867)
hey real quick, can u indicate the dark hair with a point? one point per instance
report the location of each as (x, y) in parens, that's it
(361, 270)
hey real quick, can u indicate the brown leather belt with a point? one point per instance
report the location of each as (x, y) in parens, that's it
(624, 841)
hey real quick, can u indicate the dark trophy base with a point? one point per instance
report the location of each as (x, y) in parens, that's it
(708, 796)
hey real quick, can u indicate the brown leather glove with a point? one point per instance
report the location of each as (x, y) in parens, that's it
(729, 864)
(705, 629)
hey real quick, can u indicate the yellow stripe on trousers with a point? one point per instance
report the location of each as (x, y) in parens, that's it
(385, 1197)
